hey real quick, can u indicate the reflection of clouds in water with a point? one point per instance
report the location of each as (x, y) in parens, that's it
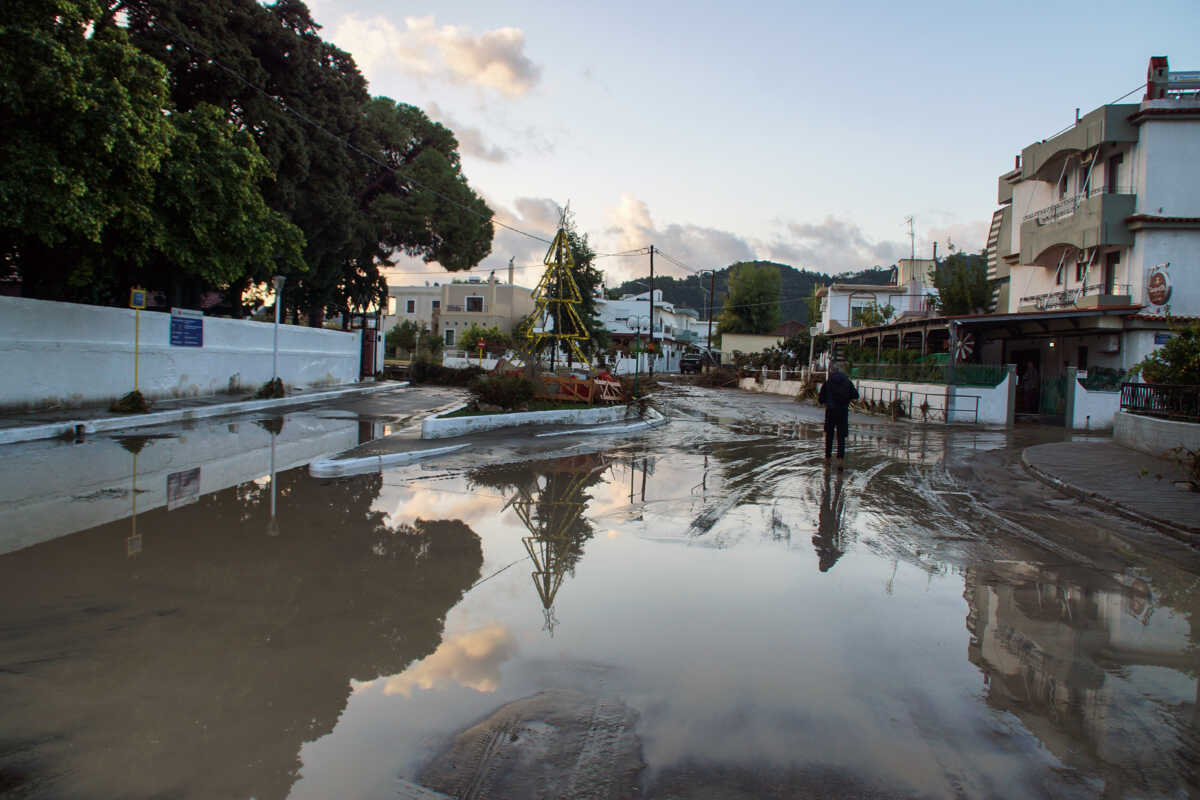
(471, 659)
(404, 504)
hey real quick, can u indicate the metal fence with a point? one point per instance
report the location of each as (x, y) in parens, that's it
(1170, 401)
(952, 375)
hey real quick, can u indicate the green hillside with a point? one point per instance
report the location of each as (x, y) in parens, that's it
(798, 284)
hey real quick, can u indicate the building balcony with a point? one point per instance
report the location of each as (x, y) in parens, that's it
(1108, 124)
(1093, 296)
(1080, 221)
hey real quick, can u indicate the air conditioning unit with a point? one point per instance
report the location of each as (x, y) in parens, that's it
(1110, 343)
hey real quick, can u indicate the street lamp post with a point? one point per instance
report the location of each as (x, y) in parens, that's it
(278, 281)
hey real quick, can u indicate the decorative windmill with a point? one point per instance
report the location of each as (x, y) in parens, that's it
(554, 315)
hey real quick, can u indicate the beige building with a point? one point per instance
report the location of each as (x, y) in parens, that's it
(450, 308)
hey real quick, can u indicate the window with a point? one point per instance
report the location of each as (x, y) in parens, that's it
(1112, 174)
(436, 305)
(475, 304)
(1084, 181)
(391, 307)
(1062, 186)
(1111, 260)
(1058, 275)
(410, 306)
(1080, 271)
(449, 337)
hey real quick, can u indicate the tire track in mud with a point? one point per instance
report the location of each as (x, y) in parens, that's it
(556, 743)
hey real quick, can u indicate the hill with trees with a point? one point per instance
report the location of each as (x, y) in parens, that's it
(797, 286)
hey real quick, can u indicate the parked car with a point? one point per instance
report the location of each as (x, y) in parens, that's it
(691, 362)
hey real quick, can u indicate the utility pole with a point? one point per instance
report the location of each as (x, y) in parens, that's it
(712, 297)
(650, 361)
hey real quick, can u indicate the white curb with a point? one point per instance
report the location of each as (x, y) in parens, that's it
(340, 467)
(439, 427)
(633, 427)
(76, 427)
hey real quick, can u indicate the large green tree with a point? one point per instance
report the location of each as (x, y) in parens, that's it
(962, 284)
(753, 302)
(83, 137)
(362, 178)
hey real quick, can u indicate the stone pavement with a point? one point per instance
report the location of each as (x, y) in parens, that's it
(24, 426)
(1135, 485)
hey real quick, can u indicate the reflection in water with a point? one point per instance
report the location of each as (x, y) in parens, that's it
(199, 668)
(828, 542)
(549, 499)
(1101, 674)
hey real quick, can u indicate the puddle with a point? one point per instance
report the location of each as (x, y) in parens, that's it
(707, 607)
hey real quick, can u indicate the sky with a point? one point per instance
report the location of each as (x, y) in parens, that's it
(799, 132)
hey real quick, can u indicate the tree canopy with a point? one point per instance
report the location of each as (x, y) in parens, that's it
(753, 303)
(194, 147)
(962, 284)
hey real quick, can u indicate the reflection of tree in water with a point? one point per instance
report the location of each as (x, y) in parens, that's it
(1067, 649)
(549, 499)
(200, 666)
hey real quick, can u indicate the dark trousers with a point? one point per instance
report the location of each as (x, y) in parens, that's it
(837, 420)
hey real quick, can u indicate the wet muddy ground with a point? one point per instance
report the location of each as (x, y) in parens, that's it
(704, 610)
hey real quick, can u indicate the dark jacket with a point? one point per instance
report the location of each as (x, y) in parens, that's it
(837, 392)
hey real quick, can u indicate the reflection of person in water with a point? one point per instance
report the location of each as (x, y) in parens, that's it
(829, 541)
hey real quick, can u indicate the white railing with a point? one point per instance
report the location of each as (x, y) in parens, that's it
(1068, 298)
(1070, 204)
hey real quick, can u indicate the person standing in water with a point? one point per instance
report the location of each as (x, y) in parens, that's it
(836, 395)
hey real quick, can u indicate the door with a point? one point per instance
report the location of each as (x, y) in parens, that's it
(369, 324)
(1029, 380)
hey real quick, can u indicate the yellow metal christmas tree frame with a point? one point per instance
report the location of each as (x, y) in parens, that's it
(555, 299)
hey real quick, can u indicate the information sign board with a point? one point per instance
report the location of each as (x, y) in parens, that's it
(187, 328)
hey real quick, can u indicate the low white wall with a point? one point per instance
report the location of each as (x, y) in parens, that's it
(772, 386)
(1094, 411)
(66, 354)
(1152, 435)
(458, 362)
(439, 427)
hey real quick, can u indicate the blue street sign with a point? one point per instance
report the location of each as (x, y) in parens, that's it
(187, 328)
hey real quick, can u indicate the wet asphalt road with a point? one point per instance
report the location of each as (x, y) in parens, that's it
(704, 610)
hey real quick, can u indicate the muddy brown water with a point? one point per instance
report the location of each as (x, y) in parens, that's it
(702, 611)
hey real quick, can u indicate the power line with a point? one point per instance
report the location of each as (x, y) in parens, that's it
(344, 142)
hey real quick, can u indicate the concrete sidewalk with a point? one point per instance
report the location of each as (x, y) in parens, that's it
(25, 426)
(1137, 486)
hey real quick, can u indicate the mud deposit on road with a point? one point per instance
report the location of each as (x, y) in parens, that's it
(702, 611)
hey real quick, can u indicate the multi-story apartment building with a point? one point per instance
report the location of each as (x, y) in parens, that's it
(447, 309)
(674, 328)
(1097, 238)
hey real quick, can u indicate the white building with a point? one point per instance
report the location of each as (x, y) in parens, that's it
(1097, 238)
(842, 304)
(674, 328)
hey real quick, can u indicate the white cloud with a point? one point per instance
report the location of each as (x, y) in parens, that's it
(697, 246)
(494, 59)
(470, 140)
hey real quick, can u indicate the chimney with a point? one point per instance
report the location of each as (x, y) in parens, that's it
(510, 271)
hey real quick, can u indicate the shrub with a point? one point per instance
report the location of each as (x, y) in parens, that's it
(506, 391)
(425, 370)
(1177, 361)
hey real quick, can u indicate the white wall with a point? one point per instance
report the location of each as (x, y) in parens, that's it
(992, 402)
(65, 354)
(1180, 249)
(1152, 435)
(1170, 165)
(1094, 411)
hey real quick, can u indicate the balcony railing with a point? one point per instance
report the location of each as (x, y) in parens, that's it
(1162, 400)
(1068, 298)
(1069, 205)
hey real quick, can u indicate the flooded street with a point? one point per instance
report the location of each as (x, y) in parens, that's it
(704, 610)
